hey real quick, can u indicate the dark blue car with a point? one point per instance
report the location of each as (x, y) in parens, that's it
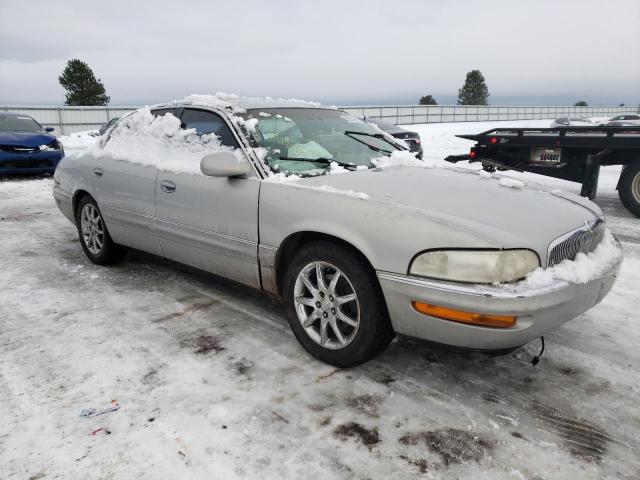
(26, 146)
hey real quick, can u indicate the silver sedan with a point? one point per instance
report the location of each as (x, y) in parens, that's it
(298, 200)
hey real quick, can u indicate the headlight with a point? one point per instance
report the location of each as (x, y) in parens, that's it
(55, 145)
(475, 266)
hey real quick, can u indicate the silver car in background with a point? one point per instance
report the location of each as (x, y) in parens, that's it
(295, 203)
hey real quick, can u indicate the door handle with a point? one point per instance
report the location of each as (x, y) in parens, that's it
(167, 186)
(98, 172)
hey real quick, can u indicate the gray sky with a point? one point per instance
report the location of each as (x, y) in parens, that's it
(342, 52)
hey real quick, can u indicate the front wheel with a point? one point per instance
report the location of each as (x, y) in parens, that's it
(629, 187)
(335, 305)
(94, 236)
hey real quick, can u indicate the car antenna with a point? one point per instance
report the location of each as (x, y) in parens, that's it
(536, 359)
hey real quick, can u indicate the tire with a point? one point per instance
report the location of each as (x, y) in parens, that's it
(629, 187)
(96, 241)
(323, 304)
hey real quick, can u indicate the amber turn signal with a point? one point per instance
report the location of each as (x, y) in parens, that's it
(497, 321)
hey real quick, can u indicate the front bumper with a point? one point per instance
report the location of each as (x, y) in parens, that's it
(539, 310)
(35, 162)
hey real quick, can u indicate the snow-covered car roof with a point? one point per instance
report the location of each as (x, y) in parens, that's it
(224, 100)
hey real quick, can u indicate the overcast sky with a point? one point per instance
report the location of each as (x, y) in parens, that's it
(339, 52)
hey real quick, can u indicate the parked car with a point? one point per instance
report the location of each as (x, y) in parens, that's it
(345, 225)
(412, 139)
(26, 146)
(571, 122)
(623, 123)
(108, 125)
(626, 117)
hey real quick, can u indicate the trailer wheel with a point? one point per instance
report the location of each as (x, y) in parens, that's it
(629, 187)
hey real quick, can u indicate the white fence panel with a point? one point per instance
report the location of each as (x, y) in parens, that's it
(66, 120)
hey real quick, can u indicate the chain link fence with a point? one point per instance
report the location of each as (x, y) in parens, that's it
(67, 120)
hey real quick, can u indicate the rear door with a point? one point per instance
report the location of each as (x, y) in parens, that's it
(206, 222)
(125, 193)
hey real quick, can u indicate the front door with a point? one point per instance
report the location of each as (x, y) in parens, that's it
(206, 222)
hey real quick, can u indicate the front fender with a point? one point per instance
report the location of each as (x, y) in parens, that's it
(387, 235)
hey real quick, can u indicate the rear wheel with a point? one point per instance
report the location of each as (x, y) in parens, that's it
(94, 236)
(629, 187)
(335, 306)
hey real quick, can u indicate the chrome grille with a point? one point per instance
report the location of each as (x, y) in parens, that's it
(584, 240)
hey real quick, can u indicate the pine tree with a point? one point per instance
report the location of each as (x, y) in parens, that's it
(474, 91)
(581, 103)
(428, 100)
(81, 85)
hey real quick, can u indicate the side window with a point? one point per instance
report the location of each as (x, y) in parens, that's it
(161, 111)
(208, 122)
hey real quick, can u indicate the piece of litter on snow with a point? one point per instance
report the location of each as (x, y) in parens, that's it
(92, 412)
(101, 429)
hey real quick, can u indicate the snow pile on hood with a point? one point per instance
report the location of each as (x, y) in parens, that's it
(585, 267)
(349, 193)
(282, 177)
(511, 183)
(145, 139)
(403, 158)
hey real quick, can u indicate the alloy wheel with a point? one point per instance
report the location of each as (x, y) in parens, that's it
(326, 305)
(92, 228)
(635, 187)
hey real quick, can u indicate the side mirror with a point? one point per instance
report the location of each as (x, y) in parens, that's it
(224, 164)
(49, 129)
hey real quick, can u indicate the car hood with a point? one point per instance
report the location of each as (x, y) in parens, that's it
(26, 139)
(506, 217)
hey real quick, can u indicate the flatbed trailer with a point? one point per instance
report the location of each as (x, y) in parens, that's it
(570, 153)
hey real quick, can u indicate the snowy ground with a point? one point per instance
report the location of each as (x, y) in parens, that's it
(212, 384)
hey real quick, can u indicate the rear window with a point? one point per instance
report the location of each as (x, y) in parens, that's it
(18, 123)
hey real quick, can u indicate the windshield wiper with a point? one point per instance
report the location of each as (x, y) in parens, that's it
(379, 136)
(326, 161)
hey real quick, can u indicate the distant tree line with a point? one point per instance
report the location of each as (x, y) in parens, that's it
(475, 92)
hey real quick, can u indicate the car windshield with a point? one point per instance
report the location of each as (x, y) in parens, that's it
(18, 123)
(306, 141)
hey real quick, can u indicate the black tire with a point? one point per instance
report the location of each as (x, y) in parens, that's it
(629, 187)
(110, 253)
(374, 330)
